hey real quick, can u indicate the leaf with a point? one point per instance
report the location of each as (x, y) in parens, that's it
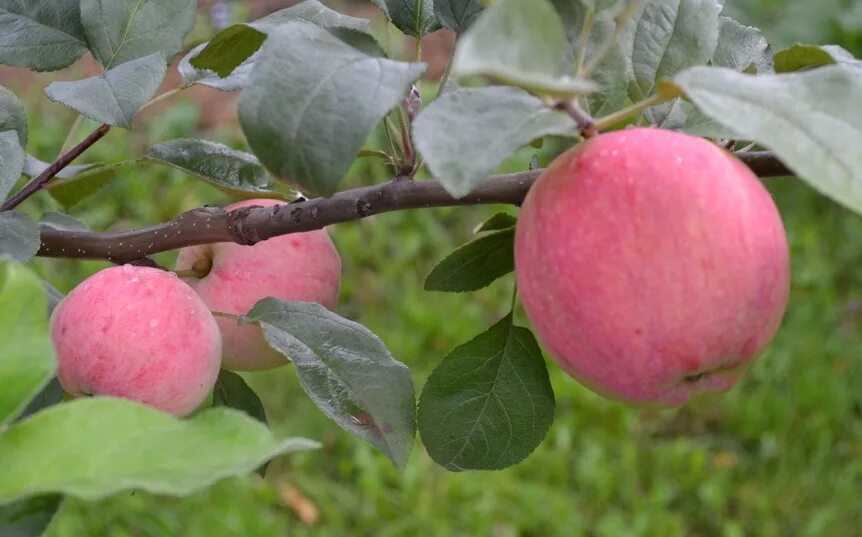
(346, 370)
(313, 100)
(519, 44)
(496, 223)
(413, 17)
(28, 518)
(489, 404)
(800, 57)
(142, 449)
(53, 296)
(19, 236)
(231, 391)
(234, 47)
(82, 182)
(740, 47)
(43, 35)
(666, 37)
(13, 116)
(119, 32)
(27, 360)
(115, 96)
(811, 120)
(11, 161)
(457, 15)
(466, 134)
(62, 222)
(236, 80)
(52, 394)
(475, 265)
(233, 171)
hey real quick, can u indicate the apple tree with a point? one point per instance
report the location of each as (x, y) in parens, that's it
(649, 258)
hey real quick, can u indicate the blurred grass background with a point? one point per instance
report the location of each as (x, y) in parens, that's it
(779, 456)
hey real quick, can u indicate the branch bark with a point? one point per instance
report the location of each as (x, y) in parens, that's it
(250, 225)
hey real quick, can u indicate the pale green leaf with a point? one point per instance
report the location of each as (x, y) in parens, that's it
(43, 35)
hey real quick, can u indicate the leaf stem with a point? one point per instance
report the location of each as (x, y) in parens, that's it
(162, 97)
(67, 143)
(636, 109)
(584, 40)
(446, 72)
(622, 21)
(224, 315)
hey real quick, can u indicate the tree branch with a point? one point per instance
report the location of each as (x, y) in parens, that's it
(56, 167)
(253, 224)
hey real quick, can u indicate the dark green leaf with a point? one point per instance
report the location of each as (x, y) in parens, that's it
(489, 404)
(235, 81)
(43, 35)
(312, 102)
(19, 236)
(466, 134)
(413, 17)
(668, 37)
(62, 222)
(28, 518)
(27, 360)
(232, 49)
(457, 15)
(12, 158)
(346, 370)
(79, 182)
(142, 449)
(476, 264)
(52, 394)
(118, 32)
(232, 391)
(115, 96)
(13, 116)
(496, 223)
(811, 120)
(233, 171)
(800, 57)
(520, 44)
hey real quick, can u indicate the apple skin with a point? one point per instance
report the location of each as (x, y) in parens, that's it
(138, 333)
(653, 265)
(300, 267)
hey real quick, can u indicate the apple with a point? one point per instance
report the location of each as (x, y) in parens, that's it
(138, 333)
(653, 265)
(233, 278)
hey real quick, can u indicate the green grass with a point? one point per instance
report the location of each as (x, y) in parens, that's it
(781, 455)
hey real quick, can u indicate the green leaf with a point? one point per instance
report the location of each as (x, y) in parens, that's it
(666, 38)
(119, 32)
(12, 158)
(811, 120)
(27, 360)
(233, 48)
(741, 47)
(53, 296)
(77, 183)
(313, 100)
(231, 391)
(233, 171)
(466, 134)
(142, 449)
(28, 518)
(19, 236)
(413, 17)
(489, 404)
(800, 57)
(13, 116)
(682, 116)
(52, 394)
(43, 35)
(475, 265)
(346, 370)
(520, 44)
(62, 222)
(236, 80)
(496, 223)
(457, 15)
(115, 96)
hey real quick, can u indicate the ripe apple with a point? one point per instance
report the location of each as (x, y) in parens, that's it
(653, 265)
(301, 267)
(137, 333)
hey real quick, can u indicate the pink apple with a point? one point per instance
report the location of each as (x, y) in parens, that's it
(653, 265)
(137, 333)
(301, 266)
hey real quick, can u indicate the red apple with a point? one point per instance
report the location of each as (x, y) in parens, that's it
(137, 333)
(653, 265)
(301, 266)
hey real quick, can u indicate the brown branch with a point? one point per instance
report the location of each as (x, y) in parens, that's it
(56, 167)
(253, 224)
